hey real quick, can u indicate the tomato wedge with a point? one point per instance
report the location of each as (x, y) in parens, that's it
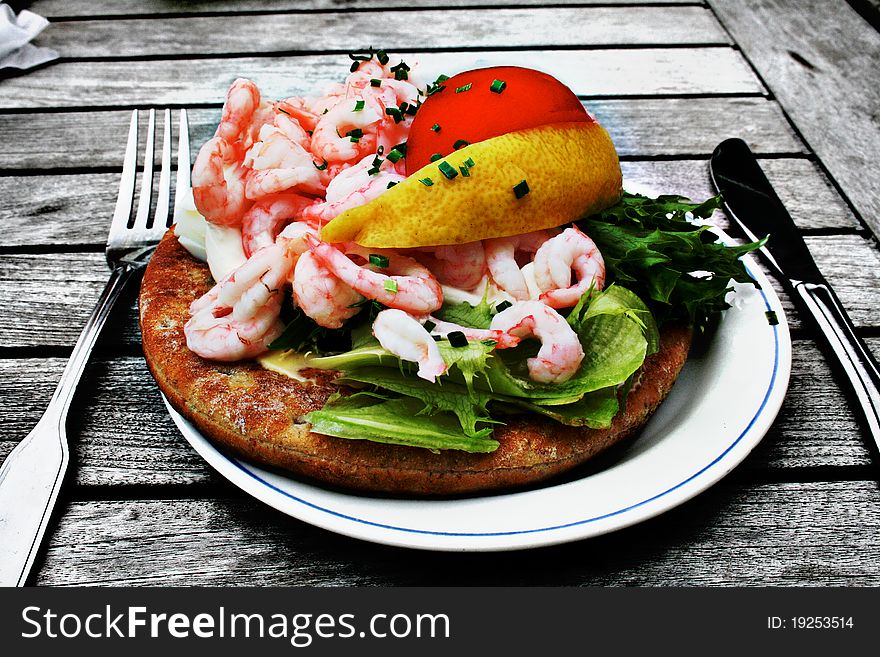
(485, 103)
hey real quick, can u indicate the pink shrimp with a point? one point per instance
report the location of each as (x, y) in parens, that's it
(299, 109)
(353, 187)
(218, 183)
(408, 285)
(554, 262)
(561, 352)
(262, 223)
(331, 141)
(459, 265)
(320, 294)
(242, 100)
(280, 162)
(407, 339)
(503, 339)
(503, 266)
(293, 237)
(239, 316)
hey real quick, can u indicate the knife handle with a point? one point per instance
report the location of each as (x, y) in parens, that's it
(857, 361)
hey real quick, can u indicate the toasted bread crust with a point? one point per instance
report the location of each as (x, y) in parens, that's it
(257, 413)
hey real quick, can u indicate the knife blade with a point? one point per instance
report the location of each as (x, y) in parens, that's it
(753, 205)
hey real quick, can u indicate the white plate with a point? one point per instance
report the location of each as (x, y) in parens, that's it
(721, 406)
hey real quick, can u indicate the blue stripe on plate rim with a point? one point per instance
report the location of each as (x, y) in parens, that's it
(243, 467)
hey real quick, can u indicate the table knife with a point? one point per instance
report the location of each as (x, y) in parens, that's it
(754, 206)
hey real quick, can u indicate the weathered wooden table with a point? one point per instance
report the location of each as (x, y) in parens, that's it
(798, 80)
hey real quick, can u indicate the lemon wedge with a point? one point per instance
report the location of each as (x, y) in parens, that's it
(570, 170)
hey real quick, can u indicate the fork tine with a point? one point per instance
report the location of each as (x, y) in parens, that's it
(146, 197)
(126, 182)
(183, 159)
(160, 220)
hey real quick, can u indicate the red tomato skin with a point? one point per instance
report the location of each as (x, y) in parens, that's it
(530, 99)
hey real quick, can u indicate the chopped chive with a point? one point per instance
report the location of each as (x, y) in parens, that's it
(401, 147)
(436, 156)
(361, 58)
(379, 260)
(772, 319)
(390, 285)
(359, 105)
(354, 139)
(437, 338)
(457, 339)
(356, 132)
(447, 170)
(394, 155)
(427, 182)
(461, 143)
(441, 78)
(429, 325)
(372, 171)
(322, 167)
(521, 189)
(465, 172)
(377, 161)
(326, 109)
(469, 163)
(382, 56)
(375, 82)
(435, 89)
(403, 107)
(310, 133)
(411, 109)
(354, 66)
(497, 86)
(464, 87)
(380, 150)
(395, 113)
(390, 185)
(504, 305)
(400, 71)
(436, 127)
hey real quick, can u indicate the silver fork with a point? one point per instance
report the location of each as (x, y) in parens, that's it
(33, 473)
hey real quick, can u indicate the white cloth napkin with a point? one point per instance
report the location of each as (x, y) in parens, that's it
(16, 51)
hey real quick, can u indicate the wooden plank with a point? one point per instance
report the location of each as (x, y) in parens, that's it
(344, 32)
(821, 61)
(640, 128)
(119, 430)
(121, 433)
(601, 72)
(794, 534)
(52, 296)
(56, 9)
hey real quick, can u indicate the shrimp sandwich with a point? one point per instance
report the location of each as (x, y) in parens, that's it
(424, 287)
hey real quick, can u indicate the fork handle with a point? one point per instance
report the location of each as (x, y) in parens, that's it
(86, 342)
(32, 474)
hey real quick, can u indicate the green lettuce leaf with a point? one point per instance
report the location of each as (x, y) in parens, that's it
(468, 406)
(595, 410)
(464, 314)
(396, 421)
(616, 332)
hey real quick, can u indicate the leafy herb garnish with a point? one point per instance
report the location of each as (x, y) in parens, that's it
(674, 265)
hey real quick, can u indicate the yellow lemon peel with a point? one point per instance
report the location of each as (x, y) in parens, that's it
(571, 170)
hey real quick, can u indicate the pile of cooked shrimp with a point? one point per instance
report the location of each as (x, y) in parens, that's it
(279, 171)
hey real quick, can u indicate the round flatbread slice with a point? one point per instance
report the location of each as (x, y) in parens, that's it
(258, 414)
